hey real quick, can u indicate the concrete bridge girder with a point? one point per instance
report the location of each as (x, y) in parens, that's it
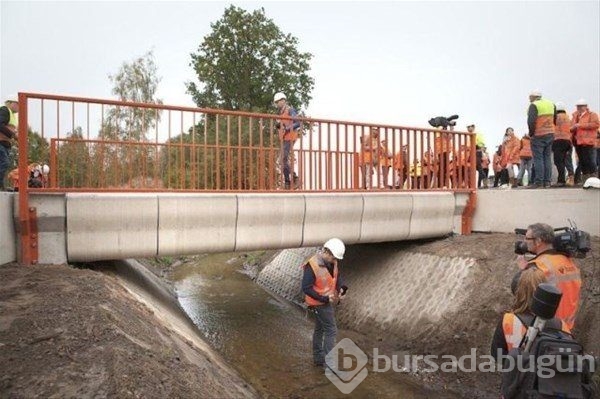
(88, 227)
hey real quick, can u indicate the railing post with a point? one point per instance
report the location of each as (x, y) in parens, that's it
(27, 217)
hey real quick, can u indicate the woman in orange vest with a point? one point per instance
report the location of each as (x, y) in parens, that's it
(461, 172)
(513, 325)
(585, 126)
(500, 173)
(526, 159)
(323, 288)
(511, 150)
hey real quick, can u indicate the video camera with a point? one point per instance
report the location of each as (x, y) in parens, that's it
(443, 122)
(569, 241)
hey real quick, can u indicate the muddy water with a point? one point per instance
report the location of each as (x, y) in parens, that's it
(267, 340)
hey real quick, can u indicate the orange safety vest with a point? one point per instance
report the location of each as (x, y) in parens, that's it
(514, 330)
(288, 124)
(442, 142)
(525, 148)
(464, 156)
(563, 127)
(324, 282)
(587, 131)
(564, 274)
(511, 149)
(544, 123)
(368, 155)
(384, 155)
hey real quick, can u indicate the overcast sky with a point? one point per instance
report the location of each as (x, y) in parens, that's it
(398, 63)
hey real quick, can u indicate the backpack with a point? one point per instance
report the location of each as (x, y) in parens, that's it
(567, 376)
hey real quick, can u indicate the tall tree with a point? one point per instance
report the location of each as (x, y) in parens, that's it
(245, 60)
(136, 81)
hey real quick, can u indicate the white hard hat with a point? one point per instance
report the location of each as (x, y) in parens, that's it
(535, 93)
(582, 101)
(12, 98)
(592, 182)
(470, 124)
(45, 169)
(336, 246)
(278, 96)
(560, 106)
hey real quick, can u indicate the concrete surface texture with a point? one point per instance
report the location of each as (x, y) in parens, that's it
(121, 226)
(8, 249)
(384, 284)
(503, 210)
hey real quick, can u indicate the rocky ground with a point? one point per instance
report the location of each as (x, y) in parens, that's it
(67, 332)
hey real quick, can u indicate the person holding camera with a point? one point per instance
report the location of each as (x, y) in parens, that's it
(560, 270)
(323, 287)
(513, 325)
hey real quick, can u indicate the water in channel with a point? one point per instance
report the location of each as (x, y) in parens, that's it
(266, 340)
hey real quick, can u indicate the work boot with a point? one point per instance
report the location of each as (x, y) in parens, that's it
(570, 181)
(287, 185)
(513, 182)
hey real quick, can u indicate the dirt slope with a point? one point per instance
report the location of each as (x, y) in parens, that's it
(66, 332)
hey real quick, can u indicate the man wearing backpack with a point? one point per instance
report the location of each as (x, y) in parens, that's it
(559, 269)
(323, 288)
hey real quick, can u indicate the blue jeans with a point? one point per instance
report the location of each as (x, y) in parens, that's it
(286, 147)
(525, 165)
(541, 146)
(325, 332)
(4, 164)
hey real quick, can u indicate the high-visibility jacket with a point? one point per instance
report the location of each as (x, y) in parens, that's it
(384, 155)
(587, 129)
(14, 121)
(369, 154)
(287, 130)
(564, 274)
(324, 282)
(514, 330)
(401, 161)
(464, 156)
(544, 124)
(525, 150)
(442, 142)
(479, 141)
(497, 163)
(512, 148)
(563, 127)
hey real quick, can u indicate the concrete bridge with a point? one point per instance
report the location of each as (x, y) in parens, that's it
(78, 227)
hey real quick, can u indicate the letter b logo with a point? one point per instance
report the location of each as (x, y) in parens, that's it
(346, 366)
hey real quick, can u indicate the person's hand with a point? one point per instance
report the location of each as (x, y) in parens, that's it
(521, 262)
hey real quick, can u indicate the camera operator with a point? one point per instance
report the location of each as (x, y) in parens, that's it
(559, 269)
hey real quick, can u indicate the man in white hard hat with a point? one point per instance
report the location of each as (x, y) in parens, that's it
(584, 126)
(323, 288)
(8, 132)
(541, 119)
(288, 134)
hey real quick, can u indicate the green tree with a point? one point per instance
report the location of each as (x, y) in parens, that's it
(73, 161)
(38, 149)
(136, 81)
(245, 60)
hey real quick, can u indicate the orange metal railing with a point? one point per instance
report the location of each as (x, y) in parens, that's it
(104, 145)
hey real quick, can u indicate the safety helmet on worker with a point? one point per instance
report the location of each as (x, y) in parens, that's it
(560, 106)
(336, 247)
(581, 101)
(535, 93)
(13, 98)
(592, 182)
(278, 96)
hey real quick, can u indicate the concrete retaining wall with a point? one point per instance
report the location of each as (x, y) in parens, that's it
(8, 238)
(504, 210)
(398, 289)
